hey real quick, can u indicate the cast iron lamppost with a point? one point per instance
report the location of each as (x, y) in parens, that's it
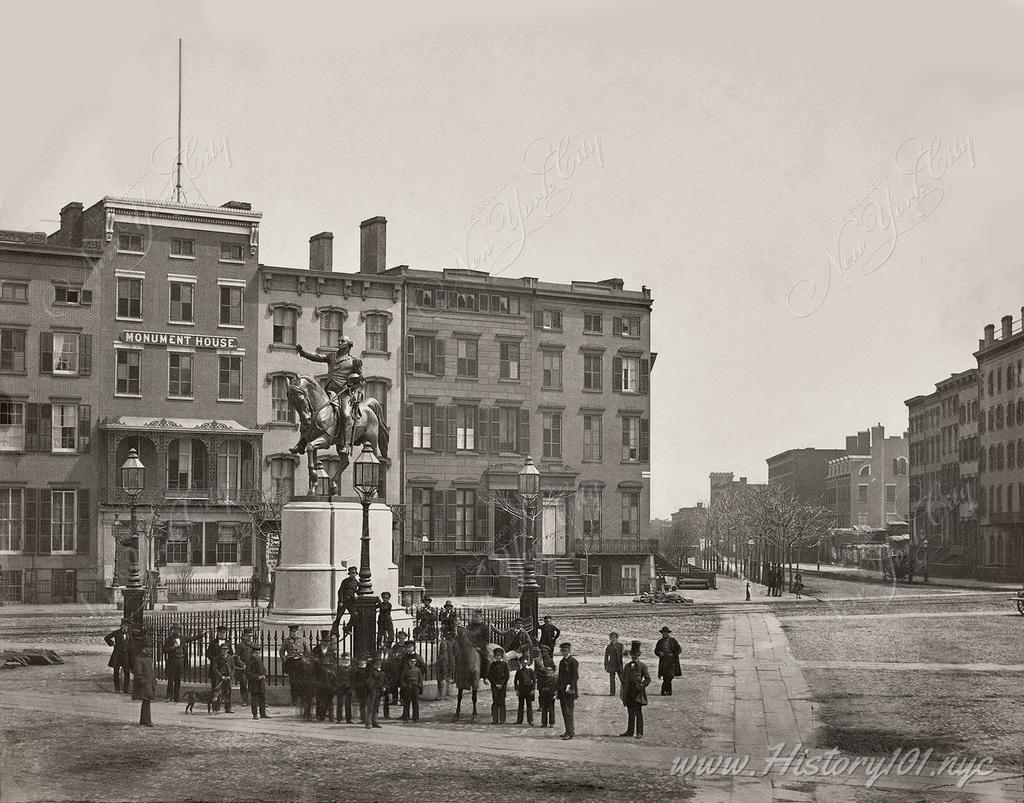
(133, 483)
(529, 489)
(366, 481)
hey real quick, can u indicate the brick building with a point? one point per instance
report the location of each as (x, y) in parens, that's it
(496, 369)
(724, 483)
(49, 403)
(943, 458)
(868, 486)
(803, 471)
(314, 307)
(1001, 451)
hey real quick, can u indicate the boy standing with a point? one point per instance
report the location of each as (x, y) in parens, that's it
(613, 660)
(359, 687)
(410, 688)
(547, 685)
(526, 685)
(549, 634)
(568, 681)
(373, 682)
(344, 687)
(385, 626)
(497, 675)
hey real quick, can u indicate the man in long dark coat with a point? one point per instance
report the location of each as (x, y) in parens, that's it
(635, 680)
(668, 650)
(568, 688)
(144, 685)
(121, 655)
(174, 660)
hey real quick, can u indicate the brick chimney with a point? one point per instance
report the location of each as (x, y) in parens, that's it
(321, 252)
(1007, 322)
(864, 442)
(372, 245)
(990, 334)
(851, 444)
(71, 223)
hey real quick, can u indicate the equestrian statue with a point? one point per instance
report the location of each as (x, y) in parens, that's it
(336, 414)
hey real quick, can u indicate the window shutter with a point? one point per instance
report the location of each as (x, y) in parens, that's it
(85, 355)
(438, 357)
(437, 436)
(410, 352)
(30, 545)
(538, 319)
(210, 544)
(160, 544)
(482, 434)
(645, 375)
(495, 444)
(645, 440)
(408, 426)
(524, 432)
(84, 427)
(45, 520)
(617, 374)
(246, 550)
(616, 325)
(46, 352)
(31, 427)
(449, 504)
(452, 427)
(45, 427)
(437, 510)
(481, 519)
(84, 523)
(195, 542)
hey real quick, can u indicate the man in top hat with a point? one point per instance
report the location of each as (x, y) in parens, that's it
(449, 620)
(549, 634)
(347, 593)
(327, 670)
(668, 650)
(121, 655)
(479, 632)
(219, 645)
(291, 653)
(144, 685)
(635, 680)
(174, 660)
(244, 649)
(568, 682)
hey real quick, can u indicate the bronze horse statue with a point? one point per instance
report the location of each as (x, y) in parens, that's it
(320, 425)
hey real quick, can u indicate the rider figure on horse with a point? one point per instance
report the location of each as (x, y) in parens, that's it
(344, 383)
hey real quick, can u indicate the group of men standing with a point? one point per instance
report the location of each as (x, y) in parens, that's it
(635, 677)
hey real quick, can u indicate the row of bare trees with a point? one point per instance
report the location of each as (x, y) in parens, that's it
(750, 531)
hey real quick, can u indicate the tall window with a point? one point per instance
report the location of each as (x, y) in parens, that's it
(592, 425)
(12, 350)
(421, 512)
(11, 519)
(186, 465)
(129, 367)
(230, 378)
(508, 429)
(177, 543)
(552, 365)
(230, 305)
(465, 427)
(424, 355)
(12, 426)
(234, 468)
(422, 421)
(376, 333)
(552, 435)
(465, 514)
(591, 512)
(592, 379)
(64, 431)
(183, 248)
(630, 439)
(284, 325)
(280, 409)
(467, 360)
(179, 375)
(862, 493)
(631, 513)
(65, 352)
(332, 323)
(376, 389)
(129, 298)
(630, 374)
(508, 361)
(282, 477)
(890, 494)
(182, 302)
(63, 520)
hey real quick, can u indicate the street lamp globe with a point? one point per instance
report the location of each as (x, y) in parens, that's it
(366, 473)
(529, 481)
(133, 475)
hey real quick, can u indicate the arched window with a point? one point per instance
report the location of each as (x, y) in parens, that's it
(865, 470)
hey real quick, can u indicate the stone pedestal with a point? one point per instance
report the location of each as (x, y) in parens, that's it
(319, 541)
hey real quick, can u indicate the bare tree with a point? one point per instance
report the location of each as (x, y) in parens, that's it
(264, 511)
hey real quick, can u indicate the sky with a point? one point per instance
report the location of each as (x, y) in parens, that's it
(823, 197)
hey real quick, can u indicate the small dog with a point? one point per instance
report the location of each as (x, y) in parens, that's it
(190, 701)
(213, 703)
